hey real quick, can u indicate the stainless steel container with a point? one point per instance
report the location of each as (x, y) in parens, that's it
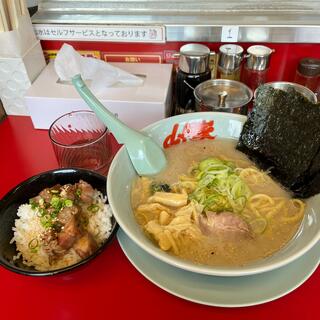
(258, 57)
(283, 85)
(229, 63)
(194, 58)
(223, 95)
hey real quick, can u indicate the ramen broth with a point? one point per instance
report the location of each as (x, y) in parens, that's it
(217, 248)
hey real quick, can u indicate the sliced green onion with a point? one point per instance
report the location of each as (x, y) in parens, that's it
(68, 203)
(33, 204)
(219, 187)
(33, 245)
(46, 222)
(54, 214)
(78, 192)
(93, 208)
(55, 201)
(42, 212)
(41, 201)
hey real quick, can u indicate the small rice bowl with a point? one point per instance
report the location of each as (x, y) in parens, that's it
(28, 227)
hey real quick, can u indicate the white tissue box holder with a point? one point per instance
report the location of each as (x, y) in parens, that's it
(16, 77)
(48, 98)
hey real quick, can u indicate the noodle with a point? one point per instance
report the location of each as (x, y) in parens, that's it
(298, 215)
(232, 213)
(276, 209)
(253, 176)
(260, 201)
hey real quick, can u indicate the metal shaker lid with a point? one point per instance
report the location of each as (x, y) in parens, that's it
(230, 56)
(194, 58)
(223, 94)
(258, 57)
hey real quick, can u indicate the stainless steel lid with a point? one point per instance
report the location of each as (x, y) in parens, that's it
(230, 56)
(194, 58)
(223, 94)
(258, 57)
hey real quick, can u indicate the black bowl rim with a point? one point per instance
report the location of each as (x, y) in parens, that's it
(6, 200)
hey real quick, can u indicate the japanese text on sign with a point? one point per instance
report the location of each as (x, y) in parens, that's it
(100, 33)
(190, 131)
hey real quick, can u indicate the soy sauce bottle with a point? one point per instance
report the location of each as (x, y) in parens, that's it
(193, 69)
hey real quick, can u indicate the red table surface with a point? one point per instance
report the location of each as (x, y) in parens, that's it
(109, 286)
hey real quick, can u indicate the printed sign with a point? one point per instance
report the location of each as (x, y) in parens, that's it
(152, 34)
(190, 131)
(229, 33)
(133, 57)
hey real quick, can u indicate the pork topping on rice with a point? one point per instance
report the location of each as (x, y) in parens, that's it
(62, 225)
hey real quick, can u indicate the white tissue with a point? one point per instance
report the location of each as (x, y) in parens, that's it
(69, 63)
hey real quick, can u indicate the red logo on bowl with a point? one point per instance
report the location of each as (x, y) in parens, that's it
(190, 131)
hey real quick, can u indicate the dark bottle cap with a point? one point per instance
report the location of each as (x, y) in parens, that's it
(309, 67)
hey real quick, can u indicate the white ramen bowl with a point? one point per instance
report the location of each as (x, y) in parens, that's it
(169, 131)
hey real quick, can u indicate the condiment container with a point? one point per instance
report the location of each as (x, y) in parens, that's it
(229, 63)
(256, 66)
(223, 95)
(283, 85)
(308, 73)
(193, 69)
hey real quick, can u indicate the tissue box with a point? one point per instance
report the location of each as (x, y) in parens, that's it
(48, 98)
(16, 76)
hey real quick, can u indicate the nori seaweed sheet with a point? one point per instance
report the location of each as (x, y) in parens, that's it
(282, 135)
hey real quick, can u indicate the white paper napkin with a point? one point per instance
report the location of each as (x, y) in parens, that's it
(69, 63)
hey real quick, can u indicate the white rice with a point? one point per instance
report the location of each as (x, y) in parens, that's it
(28, 227)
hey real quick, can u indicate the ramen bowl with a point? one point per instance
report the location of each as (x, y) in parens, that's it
(180, 129)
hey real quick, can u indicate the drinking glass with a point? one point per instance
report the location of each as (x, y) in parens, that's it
(81, 140)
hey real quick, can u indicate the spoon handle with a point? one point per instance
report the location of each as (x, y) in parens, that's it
(121, 132)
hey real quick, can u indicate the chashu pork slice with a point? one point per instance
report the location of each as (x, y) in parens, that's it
(226, 224)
